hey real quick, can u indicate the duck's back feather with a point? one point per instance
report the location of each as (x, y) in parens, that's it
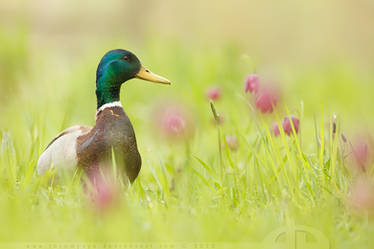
(61, 151)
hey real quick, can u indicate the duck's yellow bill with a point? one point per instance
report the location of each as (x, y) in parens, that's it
(145, 74)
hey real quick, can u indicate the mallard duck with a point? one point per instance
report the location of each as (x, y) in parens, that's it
(90, 147)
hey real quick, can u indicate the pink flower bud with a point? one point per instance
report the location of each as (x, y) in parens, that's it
(344, 138)
(362, 151)
(275, 129)
(251, 83)
(105, 191)
(213, 93)
(334, 125)
(266, 101)
(287, 125)
(232, 142)
(362, 195)
(174, 121)
(104, 196)
(220, 120)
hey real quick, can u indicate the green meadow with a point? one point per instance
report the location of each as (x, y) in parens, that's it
(194, 188)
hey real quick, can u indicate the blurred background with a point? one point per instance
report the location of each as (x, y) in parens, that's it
(316, 51)
(319, 55)
(272, 31)
(320, 50)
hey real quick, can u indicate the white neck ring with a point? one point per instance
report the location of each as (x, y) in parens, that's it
(108, 105)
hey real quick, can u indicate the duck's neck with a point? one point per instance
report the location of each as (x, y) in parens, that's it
(107, 92)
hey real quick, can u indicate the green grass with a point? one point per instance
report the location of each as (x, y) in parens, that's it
(185, 192)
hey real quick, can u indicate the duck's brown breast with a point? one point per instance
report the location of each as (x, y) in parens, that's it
(113, 132)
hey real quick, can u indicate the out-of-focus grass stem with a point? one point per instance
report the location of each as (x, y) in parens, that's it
(216, 118)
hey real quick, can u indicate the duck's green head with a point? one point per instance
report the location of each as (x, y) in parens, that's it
(116, 67)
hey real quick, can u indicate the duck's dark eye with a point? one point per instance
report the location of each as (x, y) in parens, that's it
(126, 58)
